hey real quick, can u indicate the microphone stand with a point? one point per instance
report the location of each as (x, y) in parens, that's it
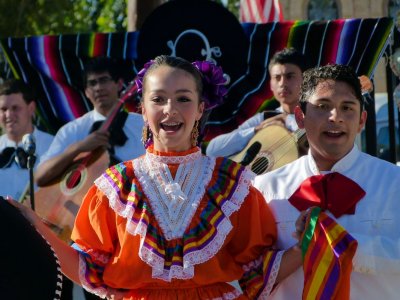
(31, 164)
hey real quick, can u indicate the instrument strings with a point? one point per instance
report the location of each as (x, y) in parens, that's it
(282, 146)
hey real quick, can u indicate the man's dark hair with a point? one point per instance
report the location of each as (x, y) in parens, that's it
(289, 56)
(342, 73)
(101, 64)
(17, 86)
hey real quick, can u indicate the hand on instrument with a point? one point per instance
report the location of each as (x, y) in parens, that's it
(96, 139)
(279, 120)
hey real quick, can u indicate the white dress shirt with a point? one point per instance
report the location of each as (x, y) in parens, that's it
(375, 225)
(79, 128)
(15, 180)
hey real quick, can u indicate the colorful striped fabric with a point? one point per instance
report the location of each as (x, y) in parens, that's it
(176, 258)
(327, 250)
(53, 64)
(256, 276)
(359, 43)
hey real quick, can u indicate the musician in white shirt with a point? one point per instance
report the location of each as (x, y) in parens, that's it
(17, 110)
(102, 86)
(331, 112)
(285, 69)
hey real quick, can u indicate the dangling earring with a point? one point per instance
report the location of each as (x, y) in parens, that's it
(195, 133)
(147, 135)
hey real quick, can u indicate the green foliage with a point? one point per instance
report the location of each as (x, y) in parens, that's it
(38, 17)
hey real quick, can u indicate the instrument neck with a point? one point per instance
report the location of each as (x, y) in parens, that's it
(299, 133)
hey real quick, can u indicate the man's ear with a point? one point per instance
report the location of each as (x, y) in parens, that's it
(32, 108)
(299, 116)
(363, 120)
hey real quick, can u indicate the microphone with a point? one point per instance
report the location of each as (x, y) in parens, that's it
(29, 144)
(251, 153)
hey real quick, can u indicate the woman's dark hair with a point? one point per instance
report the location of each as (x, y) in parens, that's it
(179, 63)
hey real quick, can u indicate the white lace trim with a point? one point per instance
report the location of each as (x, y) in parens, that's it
(109, 189)
(242, 190)
(100, 291)
(175, 159)
(272, 278)
(228, 296)
(191, 259)
(174, 201)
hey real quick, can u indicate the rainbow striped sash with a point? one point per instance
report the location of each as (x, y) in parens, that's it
(328, 250)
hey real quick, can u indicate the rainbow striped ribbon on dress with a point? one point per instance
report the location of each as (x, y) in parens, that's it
(328, 250)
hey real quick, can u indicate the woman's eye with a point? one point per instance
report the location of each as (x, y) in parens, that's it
(156, 99)
(323, 106)
(184, 99)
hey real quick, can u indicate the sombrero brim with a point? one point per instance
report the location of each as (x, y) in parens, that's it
(29, 268)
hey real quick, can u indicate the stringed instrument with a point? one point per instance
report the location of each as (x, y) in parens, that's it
(279, 146)
(58, 202)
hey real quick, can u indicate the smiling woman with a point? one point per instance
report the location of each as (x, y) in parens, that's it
(157, 226)
(171, 105)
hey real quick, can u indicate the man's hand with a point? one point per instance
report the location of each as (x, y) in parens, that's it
(57, 165)
(279, 120)
(301, 226)
(96, 139)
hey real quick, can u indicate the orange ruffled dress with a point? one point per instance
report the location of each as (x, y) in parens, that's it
(176, 226)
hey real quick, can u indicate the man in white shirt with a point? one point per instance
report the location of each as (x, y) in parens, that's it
(102, 86)
(17, 109)
(285, 69)
(331, 112)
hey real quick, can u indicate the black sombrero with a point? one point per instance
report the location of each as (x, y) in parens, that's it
(29, 268)
(195, 30)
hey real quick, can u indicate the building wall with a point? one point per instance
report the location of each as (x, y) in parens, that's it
(297, 10)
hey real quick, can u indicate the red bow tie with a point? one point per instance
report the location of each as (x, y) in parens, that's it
(333, 192)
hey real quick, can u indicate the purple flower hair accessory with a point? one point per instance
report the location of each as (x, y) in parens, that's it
(140, 75)
(214, 82)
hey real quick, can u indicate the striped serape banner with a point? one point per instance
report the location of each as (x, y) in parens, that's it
(328, 250)
(53, 64)
(359, 43)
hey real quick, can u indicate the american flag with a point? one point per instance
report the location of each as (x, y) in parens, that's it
(260, 11)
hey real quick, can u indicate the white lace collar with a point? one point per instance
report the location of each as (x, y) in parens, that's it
(178, 159)
(174, 200)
